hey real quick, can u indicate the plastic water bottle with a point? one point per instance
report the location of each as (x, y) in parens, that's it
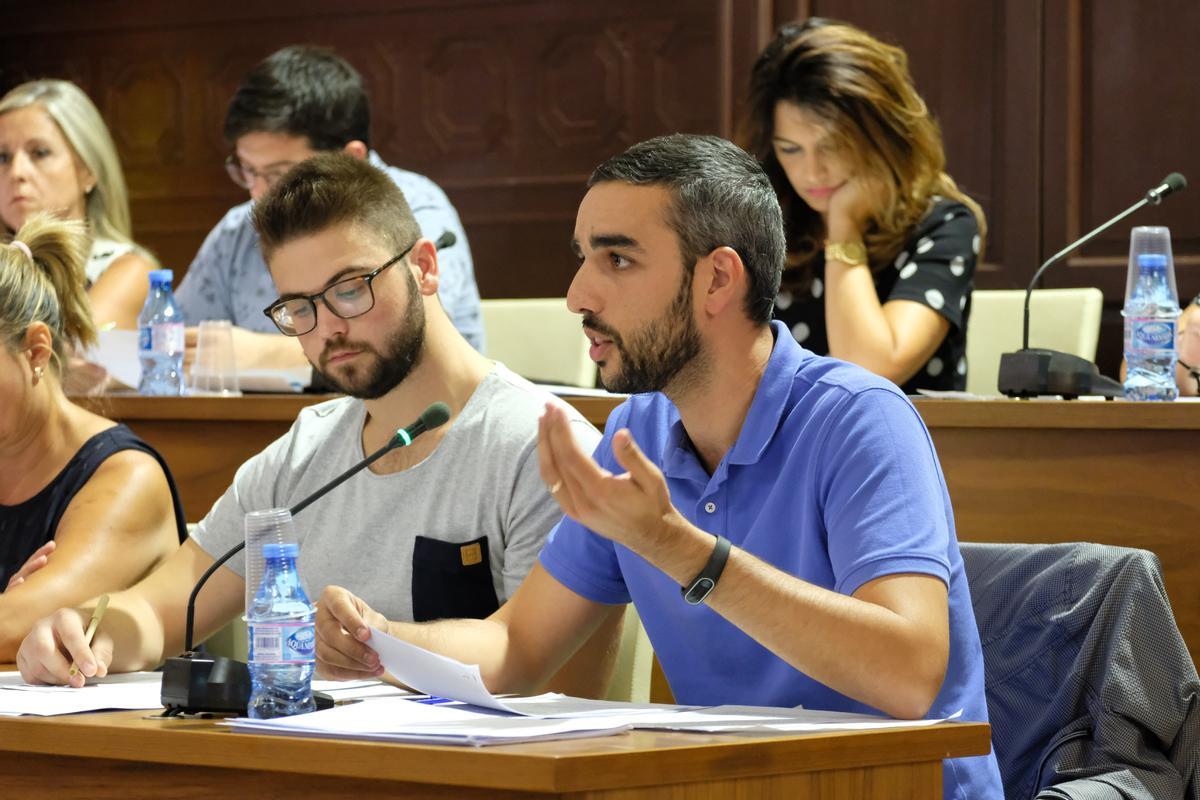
(1151, 310)
(160, 339)
(282, 637)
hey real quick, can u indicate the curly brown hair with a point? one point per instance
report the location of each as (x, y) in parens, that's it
(862, 89)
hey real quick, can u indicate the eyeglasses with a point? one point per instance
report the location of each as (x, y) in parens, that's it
(245, 176)
(346, 299)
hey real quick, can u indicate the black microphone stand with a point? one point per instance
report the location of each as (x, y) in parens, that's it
(1033, 371)
(198, 682)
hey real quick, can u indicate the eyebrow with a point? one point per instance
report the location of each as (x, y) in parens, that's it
(338, 276)
(600, 240)
(285, 162)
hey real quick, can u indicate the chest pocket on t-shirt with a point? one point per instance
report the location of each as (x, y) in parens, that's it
(451, 580)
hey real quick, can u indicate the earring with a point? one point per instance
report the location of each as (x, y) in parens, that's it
(37, 375)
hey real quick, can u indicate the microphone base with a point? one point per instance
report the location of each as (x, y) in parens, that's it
(196, 682)
(1036, 371)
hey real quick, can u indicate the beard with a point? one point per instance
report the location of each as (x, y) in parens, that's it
(388, 369)
(654, 358)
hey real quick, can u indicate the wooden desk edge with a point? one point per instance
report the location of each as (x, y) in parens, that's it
(596, 763)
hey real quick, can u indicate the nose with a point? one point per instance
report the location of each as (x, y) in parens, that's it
(258, 186)
(580, 294)
(329, 325)
(20, 165)
(815, 169)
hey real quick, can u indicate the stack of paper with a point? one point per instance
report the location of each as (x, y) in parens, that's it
(404, 720)
(130, 691)
(460, 710)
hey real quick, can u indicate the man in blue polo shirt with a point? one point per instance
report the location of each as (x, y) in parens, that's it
(779, 519)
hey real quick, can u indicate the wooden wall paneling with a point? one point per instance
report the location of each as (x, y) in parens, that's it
(508, 105)
(1120, 106)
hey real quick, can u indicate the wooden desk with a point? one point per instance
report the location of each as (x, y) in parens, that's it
(122, 755)
(1018, 471)
(1114, 473)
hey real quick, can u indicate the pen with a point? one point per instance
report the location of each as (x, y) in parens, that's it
(97, 615)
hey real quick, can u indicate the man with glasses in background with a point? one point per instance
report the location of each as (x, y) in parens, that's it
(297, 102)
(445, 527)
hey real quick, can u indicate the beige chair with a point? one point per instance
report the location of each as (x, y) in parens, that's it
(539, 339)
(635, 659)
(1067, 320)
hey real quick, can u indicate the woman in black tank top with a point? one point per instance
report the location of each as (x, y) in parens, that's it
(101, 494)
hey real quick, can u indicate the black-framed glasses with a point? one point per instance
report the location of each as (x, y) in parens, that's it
(245, 176)
(349, 298)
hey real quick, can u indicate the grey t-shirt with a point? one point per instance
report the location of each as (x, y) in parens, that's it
(451, 536)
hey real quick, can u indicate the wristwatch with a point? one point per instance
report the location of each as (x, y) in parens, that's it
(703, 584)
(852, 253)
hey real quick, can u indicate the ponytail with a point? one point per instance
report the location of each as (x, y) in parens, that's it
(42, 280)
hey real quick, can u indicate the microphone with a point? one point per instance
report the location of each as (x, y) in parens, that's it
(1172, 183)
(195, 682)
(1030, 372)
(448, 239)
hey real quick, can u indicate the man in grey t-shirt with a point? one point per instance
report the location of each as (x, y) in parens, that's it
(447, 526)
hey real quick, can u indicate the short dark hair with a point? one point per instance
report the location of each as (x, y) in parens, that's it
(302, 91)
(329, 189)
(719, 197)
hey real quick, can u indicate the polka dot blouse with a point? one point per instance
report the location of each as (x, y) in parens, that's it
(936, 268)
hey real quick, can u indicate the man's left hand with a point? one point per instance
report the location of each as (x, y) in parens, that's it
(628, 508)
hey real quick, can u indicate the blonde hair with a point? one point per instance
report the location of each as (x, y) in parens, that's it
(46, 285)
(84, 129)
(861, 88)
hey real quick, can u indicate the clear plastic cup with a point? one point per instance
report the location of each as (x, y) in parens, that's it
(1150, 240)
(271, 527)
(214, 372)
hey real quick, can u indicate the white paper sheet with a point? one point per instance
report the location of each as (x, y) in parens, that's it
(433, 674)
(400, 719)
(117, 352)
(129, 691)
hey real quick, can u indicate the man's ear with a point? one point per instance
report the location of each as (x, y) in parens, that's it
(424, 258)
(725, 277)
(356, 148)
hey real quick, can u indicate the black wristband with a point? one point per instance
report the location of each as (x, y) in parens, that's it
(702, 585)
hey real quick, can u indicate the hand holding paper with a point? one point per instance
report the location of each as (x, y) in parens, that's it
(344, 624)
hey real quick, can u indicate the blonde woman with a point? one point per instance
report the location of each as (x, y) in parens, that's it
(102, 496)
(882, 245)
(57, 156)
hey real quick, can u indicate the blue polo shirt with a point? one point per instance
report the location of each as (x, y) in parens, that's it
(834, 479)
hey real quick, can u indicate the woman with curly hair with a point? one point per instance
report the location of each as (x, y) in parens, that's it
(882, 245)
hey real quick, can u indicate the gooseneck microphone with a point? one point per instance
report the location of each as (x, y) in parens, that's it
(194, 683)
(447, 239)
(1030, 372)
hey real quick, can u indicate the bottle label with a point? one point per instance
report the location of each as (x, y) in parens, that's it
(282, 642)
(167, 337)
(1149, 335)
(144, 338)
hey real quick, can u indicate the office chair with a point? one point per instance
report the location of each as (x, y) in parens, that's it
(1067, 320)
(1091, 690)
(539, 339)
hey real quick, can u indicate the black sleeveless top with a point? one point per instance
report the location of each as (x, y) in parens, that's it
(27, 526)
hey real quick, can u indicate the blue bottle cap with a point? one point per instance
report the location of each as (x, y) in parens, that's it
(1151, 261)
(158, 276)
(285, 550)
